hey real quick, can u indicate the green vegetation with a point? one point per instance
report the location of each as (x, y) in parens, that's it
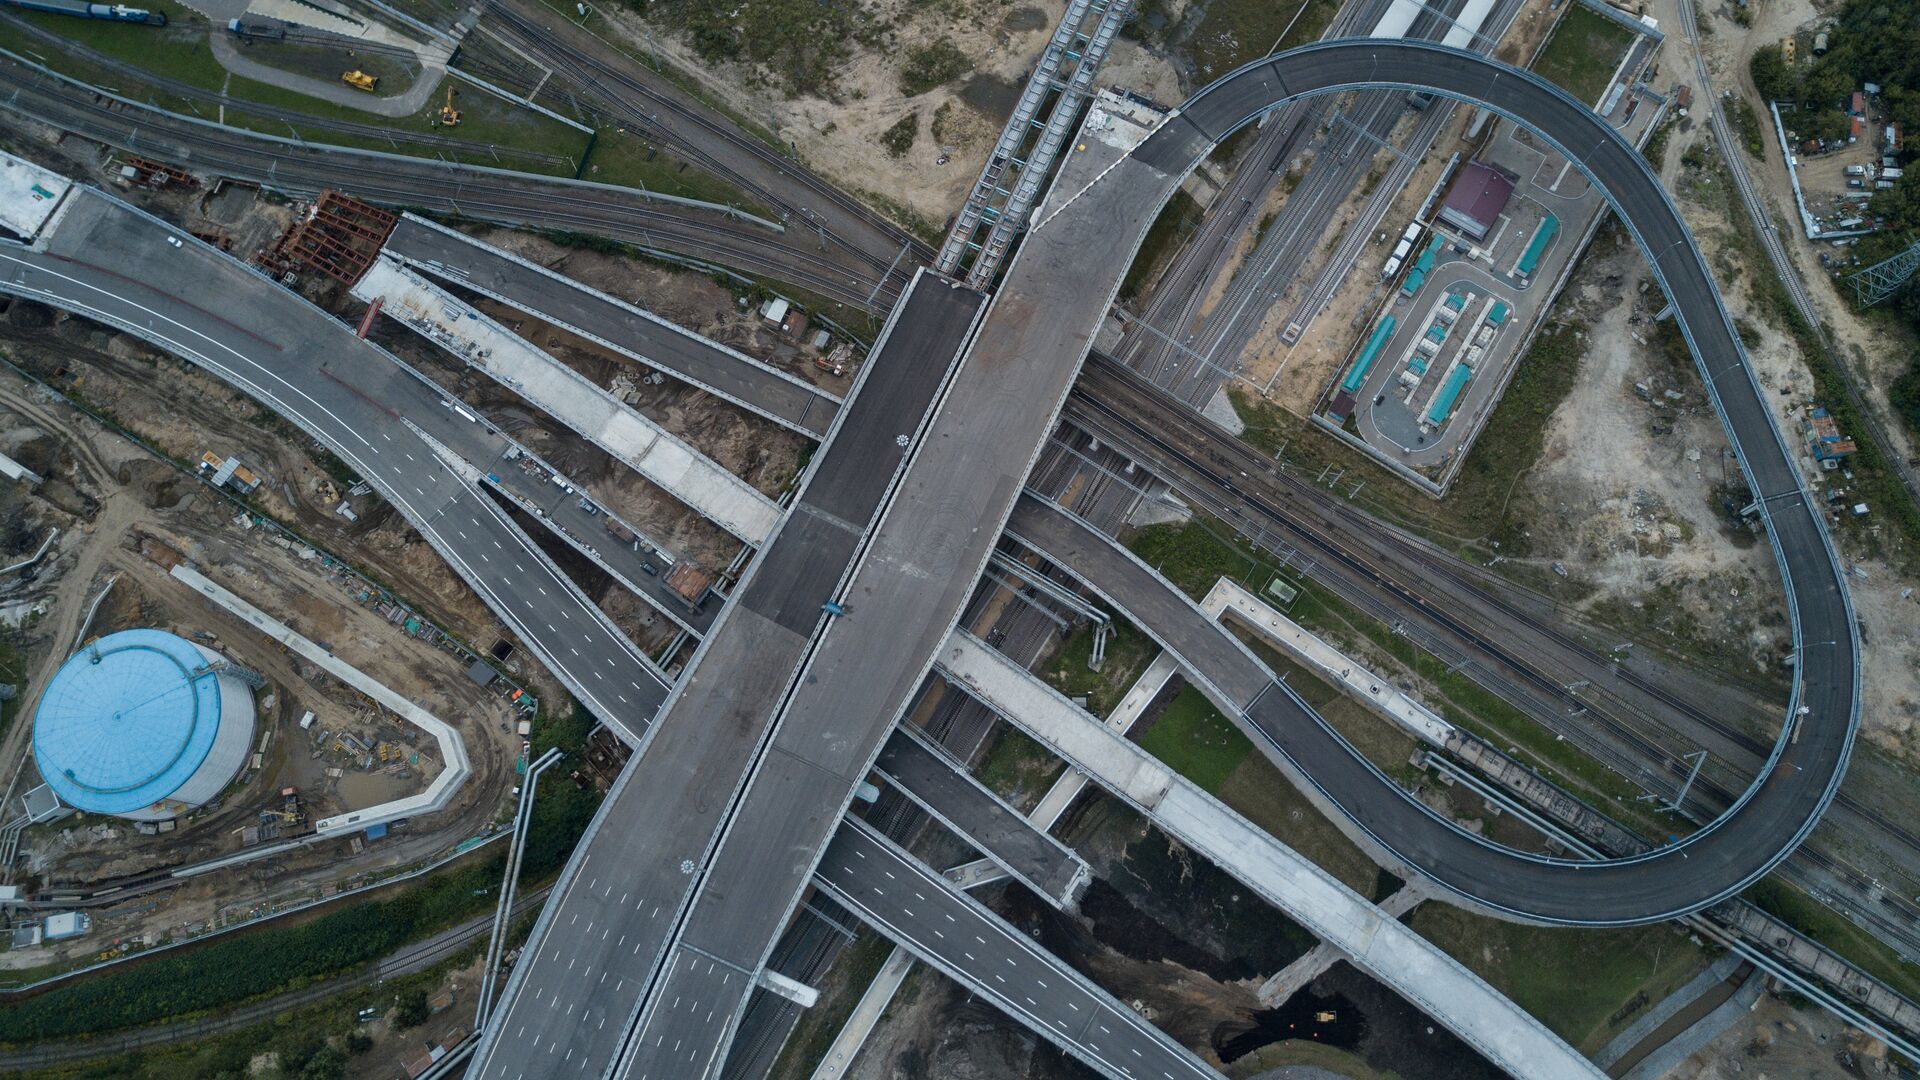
(1476, 517)
(1194, 554)
(1586, 985)
(1197, 553)
(1128, 653)
(1179, 217)
(411, 1011)
(1747, 123)
(935, 63)
(13, 672)
(628, 160)
(797, 46)
(1583, 52)
(853, 971)
(241, 966)
(899, 138)
(1224, 34)
(1196, 741)
(1836, 932)
(306, 1043)
(1018, 769)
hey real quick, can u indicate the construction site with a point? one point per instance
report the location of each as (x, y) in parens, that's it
(152, 599)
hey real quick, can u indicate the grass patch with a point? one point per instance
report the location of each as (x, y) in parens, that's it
(1197, 553)
(626, 159)
(1583, 52)
(1836, 932)
(1228, 33)
(1196, 741)
(1128, 653)
(13, 671)
(1178, 218)
(797, 46)
(1747, 123)
(1018, 769)
(852, 972)
(935, 63)
(899, 138)
(1586, 985)
(319, 1042)
(1477, 516)
(1194, 554)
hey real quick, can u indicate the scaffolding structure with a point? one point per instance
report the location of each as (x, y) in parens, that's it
(996, 209)
(340, 237)
(1884, 278)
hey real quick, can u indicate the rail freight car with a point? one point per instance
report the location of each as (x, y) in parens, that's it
(84, 10)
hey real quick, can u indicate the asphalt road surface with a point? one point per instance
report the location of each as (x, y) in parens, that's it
(620, 900)
(113, 264)
(462, 260)
(913, 905)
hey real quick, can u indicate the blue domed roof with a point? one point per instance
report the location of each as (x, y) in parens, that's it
(126, 721)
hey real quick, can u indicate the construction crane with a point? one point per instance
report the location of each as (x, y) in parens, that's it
(449, 116)
(360, 80)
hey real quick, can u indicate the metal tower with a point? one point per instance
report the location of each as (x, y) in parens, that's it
(1879, 281)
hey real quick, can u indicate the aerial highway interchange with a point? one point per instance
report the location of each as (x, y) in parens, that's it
(743, 792)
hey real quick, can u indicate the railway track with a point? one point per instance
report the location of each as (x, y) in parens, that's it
(512, 199)
(1436, 587)
(643, 105)
(306, 121)
(408, 960)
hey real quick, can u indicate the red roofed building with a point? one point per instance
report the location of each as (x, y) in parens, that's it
(1474, 202)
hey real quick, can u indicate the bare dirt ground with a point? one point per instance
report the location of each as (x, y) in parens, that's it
(120, 506)
(1776, 1042)
(1630, 487)
(839, 136)
(694, 301)
(1891, 677)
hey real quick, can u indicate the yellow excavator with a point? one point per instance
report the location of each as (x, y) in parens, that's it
(360, 80)
(449, 116)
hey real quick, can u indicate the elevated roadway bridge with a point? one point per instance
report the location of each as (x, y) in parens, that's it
(1004, 400)
(1022, 361)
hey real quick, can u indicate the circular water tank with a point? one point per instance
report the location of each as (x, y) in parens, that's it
(142, 724)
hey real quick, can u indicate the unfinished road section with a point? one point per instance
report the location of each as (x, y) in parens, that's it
(613, 324)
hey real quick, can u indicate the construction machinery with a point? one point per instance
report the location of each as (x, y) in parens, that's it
(360, 80)
(449, 116)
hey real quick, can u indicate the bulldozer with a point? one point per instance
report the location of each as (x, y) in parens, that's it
(449, 116)
(360, 80)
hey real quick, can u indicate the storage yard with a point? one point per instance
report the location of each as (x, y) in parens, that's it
(1466, 283)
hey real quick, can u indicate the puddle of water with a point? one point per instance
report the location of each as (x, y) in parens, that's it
(1333, 1020)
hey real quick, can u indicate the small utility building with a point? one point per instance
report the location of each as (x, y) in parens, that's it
(1476, 199)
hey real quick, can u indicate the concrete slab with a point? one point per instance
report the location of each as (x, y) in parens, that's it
(614, 324)
(941, 786)
(1416, 969)
(571, 398)
(29, 196)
